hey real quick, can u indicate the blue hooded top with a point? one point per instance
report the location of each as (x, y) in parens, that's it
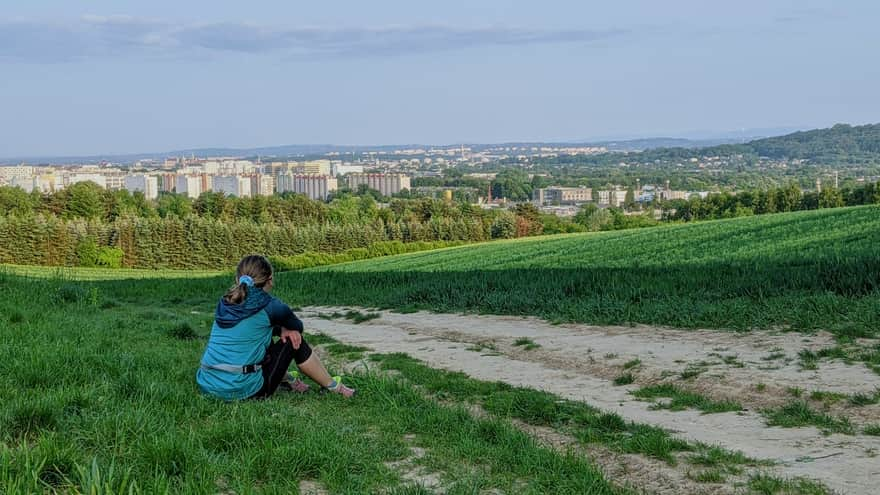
(239, 337)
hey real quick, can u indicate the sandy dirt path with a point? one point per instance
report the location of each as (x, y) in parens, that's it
(579, 362)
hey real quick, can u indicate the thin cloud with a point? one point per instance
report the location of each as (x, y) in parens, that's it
(115, 36)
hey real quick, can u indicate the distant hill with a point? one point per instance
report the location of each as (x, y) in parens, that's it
(842, 143)
(665, 142)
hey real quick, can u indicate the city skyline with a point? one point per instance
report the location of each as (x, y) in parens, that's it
(87, 79)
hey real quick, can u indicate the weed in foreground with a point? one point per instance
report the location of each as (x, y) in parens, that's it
(632, 363)
(359, 317)
(624, 379)
(861, 399)
(682, 399)
(769, 485)
(798, 413)
(707, 476)
(692, 371)
(826, 397)
(526, 343)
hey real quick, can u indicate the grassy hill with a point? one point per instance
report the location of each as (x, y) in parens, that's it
(96, 374)
(804, 271)
(840, 144)
(99, 397)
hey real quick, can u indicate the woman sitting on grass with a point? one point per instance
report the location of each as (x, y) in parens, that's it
(241, 360)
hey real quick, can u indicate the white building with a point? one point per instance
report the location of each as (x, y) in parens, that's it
(191, 185)
(262, 185)
(211, 167)
(233, 185)
(46, 183)
(386, 184)
(98, 179)
(114, 181)
(338, 169)
(562, 195)
(28, 184)
(312, 167)
(313, 186)
(612, 197)
(16, 172)
(147, 184)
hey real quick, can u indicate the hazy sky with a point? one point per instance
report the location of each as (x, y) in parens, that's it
(91, 77)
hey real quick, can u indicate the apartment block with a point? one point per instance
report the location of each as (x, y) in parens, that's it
(72, 179)
(147, 184)
(313, 186)
(17, 172)
(191, 185)
(341, 169)
(313, 167)
(114, 181)
(562, 195)
(233, 185)
(262, 185)
(612, 197)
(386, 184)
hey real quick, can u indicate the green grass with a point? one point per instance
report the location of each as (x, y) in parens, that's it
(774, 356)
(681, 399)
(101, 398)
(827, 397)
(873, 430)
(769, 485)
(346, 351)
(624, 379)
(862, 399)
(632, 364)
(692, 371)
(800, 271)
(799, 413)
(84, 274)
(808, 360)
(526, 343)
(848, 353)
(353, 315)
(708, 476)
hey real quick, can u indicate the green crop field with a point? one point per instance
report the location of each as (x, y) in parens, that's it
(801, 271)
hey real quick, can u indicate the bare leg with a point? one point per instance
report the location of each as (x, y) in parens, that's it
(313, 368)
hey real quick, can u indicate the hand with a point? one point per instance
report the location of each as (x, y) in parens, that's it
(291, 336)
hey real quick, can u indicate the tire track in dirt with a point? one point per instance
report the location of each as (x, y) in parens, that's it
(562, 366)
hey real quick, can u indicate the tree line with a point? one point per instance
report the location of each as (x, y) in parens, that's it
(87, 225)
(774, 200)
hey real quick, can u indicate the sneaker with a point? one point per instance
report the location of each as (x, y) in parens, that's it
(292, 383)
(341, 389)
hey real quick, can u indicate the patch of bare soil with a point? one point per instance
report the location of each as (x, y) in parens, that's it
(309, 487)
(580, 361)
(409, 469)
